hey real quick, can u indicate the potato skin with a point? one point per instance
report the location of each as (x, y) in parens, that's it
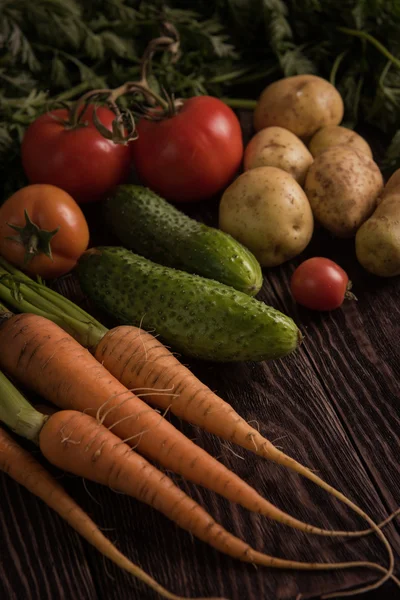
(303, 104)
(333, 135)
(393, 184)
(378, 239)
(342, 186)
(278, 147)
(267, 211)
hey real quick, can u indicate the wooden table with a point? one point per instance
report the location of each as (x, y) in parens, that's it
(333, 405)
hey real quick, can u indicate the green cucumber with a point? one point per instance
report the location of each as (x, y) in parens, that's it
(152, 227)
(197, 316)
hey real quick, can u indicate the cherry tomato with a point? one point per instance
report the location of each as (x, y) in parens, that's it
(191, 155)
(43, 219)
(320, 284)
(80, 161)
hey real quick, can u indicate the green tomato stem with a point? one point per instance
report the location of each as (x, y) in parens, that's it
(34, 240)
(75, 91)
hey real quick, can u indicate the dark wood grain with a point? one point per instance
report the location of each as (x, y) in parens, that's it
(333, 405)
(40, 556)
(356, 347)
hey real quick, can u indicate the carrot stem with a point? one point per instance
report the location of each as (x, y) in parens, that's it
(18, 301)
(372, 40)
(17, 413)
(19, 277)
(25, 295)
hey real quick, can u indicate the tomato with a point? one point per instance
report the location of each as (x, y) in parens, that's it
(191, 155)
(80, 161)
(48, 208)
(320, 284)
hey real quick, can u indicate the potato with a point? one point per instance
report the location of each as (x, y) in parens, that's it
(342, 186)
(303, 104)
(278, 147)
(334, 135)
(378, 239)
(393, 184)
(266, 210)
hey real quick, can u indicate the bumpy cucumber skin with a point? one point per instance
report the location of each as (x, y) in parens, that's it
(152, 227)
(194, 315)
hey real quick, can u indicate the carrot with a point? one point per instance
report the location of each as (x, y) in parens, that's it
(49, 361)
(24, 469)
(75, 442)
(138, 359)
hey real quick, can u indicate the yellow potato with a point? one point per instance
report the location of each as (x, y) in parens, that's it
(266, 210)
(393, 184)
(278, 147)
(378, 239)
(334, 135)
(303, 104)
(342, 186)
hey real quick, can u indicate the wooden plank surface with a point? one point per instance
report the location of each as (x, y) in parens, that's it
(333, 405)
(40, 556)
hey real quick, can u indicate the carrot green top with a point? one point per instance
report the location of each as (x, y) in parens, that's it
(24, 294)
(17, 413)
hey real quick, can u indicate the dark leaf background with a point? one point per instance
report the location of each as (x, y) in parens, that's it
(58, 49)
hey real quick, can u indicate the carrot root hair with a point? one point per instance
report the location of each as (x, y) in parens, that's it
(121, 354)
(25, 470)
(115, 465)
(42, 347)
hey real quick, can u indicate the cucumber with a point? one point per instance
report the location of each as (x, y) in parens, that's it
(152, 227)
(197, 316)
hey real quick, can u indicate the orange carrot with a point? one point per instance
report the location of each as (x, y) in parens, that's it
(23, 468)
(49, 361)
(137, 359)
(54, 364)
(75, 442)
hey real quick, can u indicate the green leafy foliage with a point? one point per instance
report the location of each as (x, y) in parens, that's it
(58, 49)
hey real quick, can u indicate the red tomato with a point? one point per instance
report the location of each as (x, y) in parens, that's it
(191, 155)
(48, 208)
(320, 284)
(80, 161)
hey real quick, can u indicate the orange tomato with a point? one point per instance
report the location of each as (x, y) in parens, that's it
(42, 230)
